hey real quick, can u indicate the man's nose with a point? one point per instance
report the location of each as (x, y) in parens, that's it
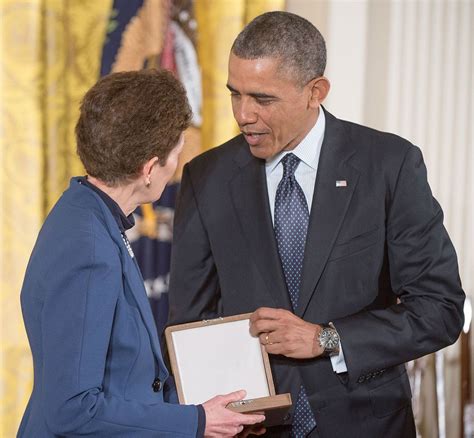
(245, 112)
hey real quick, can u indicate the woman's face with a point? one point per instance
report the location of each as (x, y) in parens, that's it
(162, 174)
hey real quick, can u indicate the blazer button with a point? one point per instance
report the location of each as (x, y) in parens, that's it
(156, 385)
(361, 379)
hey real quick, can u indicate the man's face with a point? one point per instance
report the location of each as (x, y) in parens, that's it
(273, 112)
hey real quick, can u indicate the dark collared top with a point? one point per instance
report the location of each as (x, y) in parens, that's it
(124, 222)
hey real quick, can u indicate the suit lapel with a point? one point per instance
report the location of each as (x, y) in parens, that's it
(250, 198)
(135, 281)
(133, 277)
(329, 206)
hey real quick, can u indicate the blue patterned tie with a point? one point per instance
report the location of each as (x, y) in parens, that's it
(291, 227)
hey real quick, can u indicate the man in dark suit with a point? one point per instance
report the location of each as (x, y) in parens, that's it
(327, 230)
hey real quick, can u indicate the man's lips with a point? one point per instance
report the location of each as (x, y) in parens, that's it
(253, 138)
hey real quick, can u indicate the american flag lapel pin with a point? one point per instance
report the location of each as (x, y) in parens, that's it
(341, 183)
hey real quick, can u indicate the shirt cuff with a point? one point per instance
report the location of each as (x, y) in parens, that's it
(201, 421)
(338, 362)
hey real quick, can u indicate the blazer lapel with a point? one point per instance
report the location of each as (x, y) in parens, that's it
(329, 206)
(135, 281)
(133, 277)
(250, 198)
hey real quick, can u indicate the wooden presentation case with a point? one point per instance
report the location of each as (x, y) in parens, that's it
(219, 356)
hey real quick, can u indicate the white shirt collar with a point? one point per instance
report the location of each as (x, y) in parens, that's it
(309, 148)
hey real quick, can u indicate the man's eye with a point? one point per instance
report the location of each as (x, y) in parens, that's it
(264, 101)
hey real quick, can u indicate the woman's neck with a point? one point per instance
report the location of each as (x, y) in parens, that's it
(123, 195)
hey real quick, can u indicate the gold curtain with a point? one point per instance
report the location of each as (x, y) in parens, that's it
(50, 54)
(219, 22)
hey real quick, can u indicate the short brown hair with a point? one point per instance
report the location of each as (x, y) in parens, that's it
(126, 119)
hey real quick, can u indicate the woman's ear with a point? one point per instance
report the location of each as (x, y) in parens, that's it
(147, 170)
(319, 88)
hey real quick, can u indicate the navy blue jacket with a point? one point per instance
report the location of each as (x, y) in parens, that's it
(95, 347)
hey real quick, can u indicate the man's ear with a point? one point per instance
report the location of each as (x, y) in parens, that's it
(319, 89)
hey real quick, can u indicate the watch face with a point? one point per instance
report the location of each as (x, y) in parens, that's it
(329, 339)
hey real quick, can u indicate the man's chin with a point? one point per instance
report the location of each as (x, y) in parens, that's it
(261, 152)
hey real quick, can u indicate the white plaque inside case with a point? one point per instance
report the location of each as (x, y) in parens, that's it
(218, 359)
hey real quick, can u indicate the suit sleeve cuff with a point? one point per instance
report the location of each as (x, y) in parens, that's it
(201, 421)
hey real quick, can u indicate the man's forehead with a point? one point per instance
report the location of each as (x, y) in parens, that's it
(267, 73)
(262, 64)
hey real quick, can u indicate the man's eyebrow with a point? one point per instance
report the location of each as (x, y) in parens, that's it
(231, 89)
(255, 95)
(263, 96)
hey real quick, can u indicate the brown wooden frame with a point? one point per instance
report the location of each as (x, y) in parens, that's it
(274, 406)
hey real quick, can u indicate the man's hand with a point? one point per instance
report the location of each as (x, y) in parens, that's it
(282, 332)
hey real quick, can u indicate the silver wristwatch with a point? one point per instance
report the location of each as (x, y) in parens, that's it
(329, 340)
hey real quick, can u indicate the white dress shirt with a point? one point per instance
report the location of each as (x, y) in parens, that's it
(308, 152)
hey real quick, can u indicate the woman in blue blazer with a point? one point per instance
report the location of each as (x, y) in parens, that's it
(98, 368)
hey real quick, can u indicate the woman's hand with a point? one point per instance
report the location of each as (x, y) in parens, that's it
(254, 430)
(222, 422)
